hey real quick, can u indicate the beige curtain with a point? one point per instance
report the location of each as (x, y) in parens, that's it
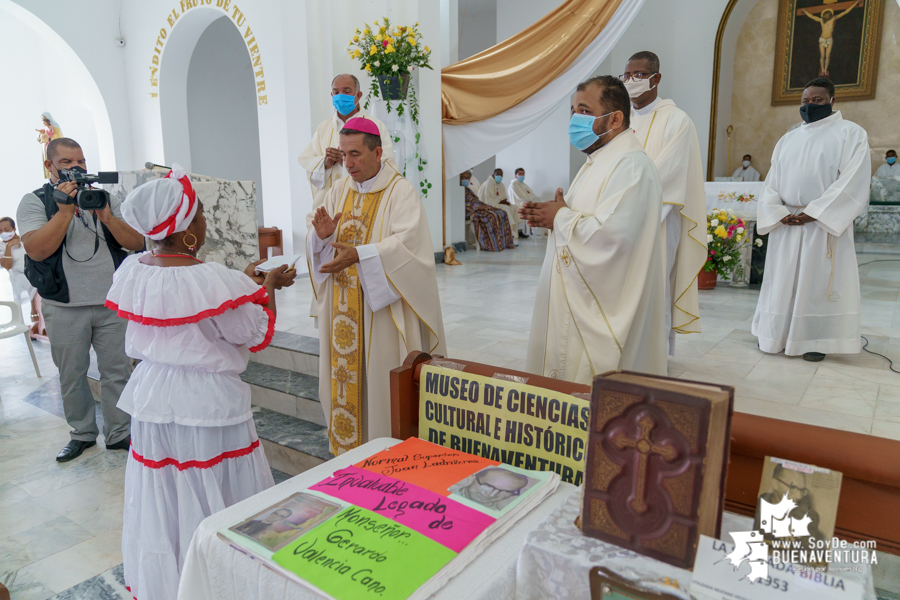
(506, 74)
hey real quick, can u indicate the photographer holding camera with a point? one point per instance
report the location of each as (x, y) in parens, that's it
(74, 240)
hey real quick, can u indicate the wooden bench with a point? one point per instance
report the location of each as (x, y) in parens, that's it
(869, 507)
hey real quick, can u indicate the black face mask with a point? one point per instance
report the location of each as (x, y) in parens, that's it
(814, 112)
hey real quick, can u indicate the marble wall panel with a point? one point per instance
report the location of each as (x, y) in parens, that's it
(230, 210)
(758, 125)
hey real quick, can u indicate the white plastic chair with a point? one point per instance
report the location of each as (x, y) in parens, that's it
(16, 327)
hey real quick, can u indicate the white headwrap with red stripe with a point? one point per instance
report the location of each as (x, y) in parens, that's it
(162, 207)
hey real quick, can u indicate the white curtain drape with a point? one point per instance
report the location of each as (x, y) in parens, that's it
(472, 143)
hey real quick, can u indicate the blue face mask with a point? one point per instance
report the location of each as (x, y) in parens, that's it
(891, 160)
(464, 183)
(498, 178)
(343, 103)
(581, 130)
(521, 178)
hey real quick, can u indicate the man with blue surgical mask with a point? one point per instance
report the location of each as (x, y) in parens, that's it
(668, 136)
(519, 193)
(493, 193)
(600, 297)
(322, 159)
(890, 168)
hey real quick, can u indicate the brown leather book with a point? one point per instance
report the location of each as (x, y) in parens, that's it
(656, 463)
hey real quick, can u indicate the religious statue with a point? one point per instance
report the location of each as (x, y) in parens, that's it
(826, 40)
(50, 131)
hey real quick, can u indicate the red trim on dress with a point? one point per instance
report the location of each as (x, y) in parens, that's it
(194, 464)
(260, 296)
(270, 331)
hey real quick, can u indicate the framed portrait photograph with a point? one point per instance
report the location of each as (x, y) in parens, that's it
(837, 39)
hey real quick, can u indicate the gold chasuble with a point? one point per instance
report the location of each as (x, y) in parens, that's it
(358, 347)
(668, 137)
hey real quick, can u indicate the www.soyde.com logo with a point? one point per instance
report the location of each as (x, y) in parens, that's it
(775, 520)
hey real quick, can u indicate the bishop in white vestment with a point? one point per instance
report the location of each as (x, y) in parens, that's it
(493, 194)
(818, 184)
(600, 297)
(372, 270)
(321, 157)
(668, 136)
(746, 172)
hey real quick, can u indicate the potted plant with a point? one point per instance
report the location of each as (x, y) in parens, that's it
(389, 56)
(725, 236)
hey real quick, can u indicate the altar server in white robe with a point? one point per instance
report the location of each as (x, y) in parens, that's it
(668, 136)
(321, 158)
(372, 270)
(818, 184)
(600, 297)
(493, 193)
(518, 194)
(746, 172)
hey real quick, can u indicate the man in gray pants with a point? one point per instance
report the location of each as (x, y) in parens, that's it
(77, 243)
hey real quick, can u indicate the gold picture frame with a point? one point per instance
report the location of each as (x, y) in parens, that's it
(843, 36)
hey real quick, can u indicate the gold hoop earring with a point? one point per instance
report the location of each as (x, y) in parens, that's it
(191, 245)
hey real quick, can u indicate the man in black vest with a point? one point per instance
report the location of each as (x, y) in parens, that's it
(77, 252)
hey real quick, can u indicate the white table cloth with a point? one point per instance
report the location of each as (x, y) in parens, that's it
(557, 558)
(724, 195)
(215, 571)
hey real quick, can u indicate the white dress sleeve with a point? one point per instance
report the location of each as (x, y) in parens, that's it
(250, 325)
(377, 290)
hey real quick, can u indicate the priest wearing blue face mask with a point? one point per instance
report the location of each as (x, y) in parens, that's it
(818, 184)
(890, 168)
(493, 193)
(600, 299)
(321, 158)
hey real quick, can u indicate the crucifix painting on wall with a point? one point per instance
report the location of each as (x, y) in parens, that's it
(838, 39)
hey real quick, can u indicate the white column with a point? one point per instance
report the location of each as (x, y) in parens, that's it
(455, 205)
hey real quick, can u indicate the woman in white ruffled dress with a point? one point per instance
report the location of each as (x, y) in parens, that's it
(194, 448)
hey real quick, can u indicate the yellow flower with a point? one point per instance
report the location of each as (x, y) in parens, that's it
(383, 29)
(356, 37)
(389, 39)
(389, 50)
(369, 68)
(426, 47)
(379, 37)
(373, 49)
(412, 41)
(375, 22)
(357, 54)
(366, 31)
(721, 231)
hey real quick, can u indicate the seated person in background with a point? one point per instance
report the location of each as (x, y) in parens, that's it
(890, 168)
(12, 258)
(193, 325)
(745, 171)
(519, 193)
(491, 224)
(493, 194)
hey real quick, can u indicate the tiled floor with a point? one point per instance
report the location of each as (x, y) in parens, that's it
(60, 525)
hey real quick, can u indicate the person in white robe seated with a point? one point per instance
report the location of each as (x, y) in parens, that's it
(372, 270)
(669, 137)
(493, 194)
(192, 325)
(890, 168)
(321, 158)
(746, 172)
(600, 297)
(518, 193)
(818, 184)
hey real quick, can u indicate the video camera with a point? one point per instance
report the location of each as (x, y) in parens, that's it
(87, 198)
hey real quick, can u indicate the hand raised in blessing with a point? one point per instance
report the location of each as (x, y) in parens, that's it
(324, 224)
